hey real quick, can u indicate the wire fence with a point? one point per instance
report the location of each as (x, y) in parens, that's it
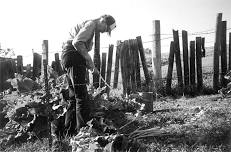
(170, 36)
(166, 36)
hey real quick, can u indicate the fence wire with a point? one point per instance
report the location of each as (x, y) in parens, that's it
(205, 32)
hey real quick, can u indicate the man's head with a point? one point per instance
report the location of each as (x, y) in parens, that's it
(106, 24)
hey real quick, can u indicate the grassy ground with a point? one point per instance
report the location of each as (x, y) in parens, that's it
(195, 124)
(199, 124)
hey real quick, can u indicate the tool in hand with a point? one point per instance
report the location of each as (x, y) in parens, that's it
(97, 71)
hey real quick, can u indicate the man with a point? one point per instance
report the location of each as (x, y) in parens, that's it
(75, 60)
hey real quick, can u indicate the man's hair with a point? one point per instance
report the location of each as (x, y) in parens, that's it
(110, 21)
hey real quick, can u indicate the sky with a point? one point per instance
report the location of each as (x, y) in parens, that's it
(26, 23)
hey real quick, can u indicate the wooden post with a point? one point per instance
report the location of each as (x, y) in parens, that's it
(137, 65)
(132, 66)
(28, 70)
(1, 75)
(37, 65)
(178, 62)
(55, 62)
(143, 60)
(116, 72)
(96, 59)
(19, 64)
(45, 63)
(230, 51)
(53, 65)
(128, 63)
(216, 53)
(170, 68)
(199, 65)
(203, 46)
(103, 68)
(58, 68)
(185, 59)
(156, 55)
(13, 66)
(56, 57)
(223, 54)
(192, 67)
(109, 66)
(123, 67)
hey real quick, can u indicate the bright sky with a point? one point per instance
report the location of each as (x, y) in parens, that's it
(25, 23)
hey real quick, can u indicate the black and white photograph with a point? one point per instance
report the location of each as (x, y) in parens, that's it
(115, 76)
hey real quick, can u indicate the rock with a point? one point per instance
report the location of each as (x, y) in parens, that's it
(23, 84)
(21, 115)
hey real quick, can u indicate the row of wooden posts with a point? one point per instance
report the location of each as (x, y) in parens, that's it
(220, 53)
(128, 56)
(9, 66)
(129, 53)
(190, 78)
(35, 70)
(192, 64)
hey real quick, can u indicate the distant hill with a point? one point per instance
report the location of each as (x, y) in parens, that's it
(207, 61)
(165, 56)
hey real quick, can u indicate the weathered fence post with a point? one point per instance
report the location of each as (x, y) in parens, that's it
(203, 46)
(14, 66)
(58, 68)
(223, 53)
(37, 61)
(178, 62)
(1, 75)
(170, 68)
(132, 66)
(45, 63)
(143, 60)
(28, 70)
(137, 65)
(128, 63)
(199, 65)
(103, 68)
(192, 67)
(96, 59)
(156, 55)
(109, 66)
(7, 70)
(185, 59)
(216, 53)
(123, 66)
(19, 64)
(116, 72)
(230, 51)
(45, 44)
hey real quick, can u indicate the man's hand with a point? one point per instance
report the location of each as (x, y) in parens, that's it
(94, 71)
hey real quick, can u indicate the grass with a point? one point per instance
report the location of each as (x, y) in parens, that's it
(199, 123)
(36, 146)
(202, 124)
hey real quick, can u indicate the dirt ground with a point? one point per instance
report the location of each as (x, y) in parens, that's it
(189, 124)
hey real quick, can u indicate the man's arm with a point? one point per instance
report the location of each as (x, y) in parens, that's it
(81, 47)
(79, 42)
